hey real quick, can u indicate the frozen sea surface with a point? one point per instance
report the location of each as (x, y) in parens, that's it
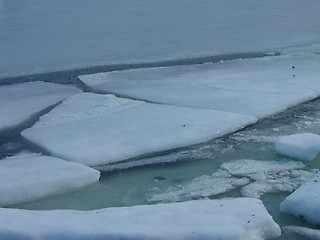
(47, 36)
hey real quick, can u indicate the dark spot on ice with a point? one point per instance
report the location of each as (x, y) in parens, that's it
(158, 178)
(221, 205)
(293, 75)
(315, 180)
(183, 125)
(293, 67)
(253, 215)
(248, 222)
(301, 217)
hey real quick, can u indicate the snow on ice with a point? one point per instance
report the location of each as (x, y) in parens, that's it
(305, 146)
(33, 176)
(304, 202)
(101, 129)
(256, 87)
(20, 101)
(239, 218)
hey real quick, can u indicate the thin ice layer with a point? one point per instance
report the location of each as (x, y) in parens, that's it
(256, 87)
(309, 233)
(305, 201)
(42, 36)
(239, 218)
(247, 167)
(203, 186)
(305, 146)
(32, 176)
(99, 129)
(20, 101)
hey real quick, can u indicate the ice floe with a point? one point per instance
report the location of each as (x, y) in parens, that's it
(305, 146)
(305, 201)
(20, 101)
(33, 176)
(239, 218)
(256, 87)
(203, 186)
(309, 233)
(98, 129)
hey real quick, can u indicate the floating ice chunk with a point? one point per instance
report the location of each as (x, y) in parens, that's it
(203, 186)
(99, 129)
(247, 167)
(286, 181)
(34, 176)
(256, 87)
(20, 101)
(309, 233)
(305, 201)
(304, 146)
(239, 218)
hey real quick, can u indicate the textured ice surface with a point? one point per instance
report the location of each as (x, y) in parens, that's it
(305, 146)
(32, 176)
(286, 181)
(240, 218)
(247, 167)
(111, 32)
(203, 186)
(20, 101)
(305, 201)
(309, 233)
(98, 129)
(256, 87)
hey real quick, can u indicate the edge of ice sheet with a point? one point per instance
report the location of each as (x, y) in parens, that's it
(239, 218)
(309, 233)
(305, 201)
(20, 101)
(305, 146)
(101, 129)
(33, 176)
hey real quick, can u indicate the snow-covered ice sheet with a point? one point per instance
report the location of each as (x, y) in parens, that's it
(309, 233)
(20, 101)
(203, 186)
(256, 87)
(99, 129)
(305, 201)
(33, 176)
(240, 218)
(305, 146)
(41, 36)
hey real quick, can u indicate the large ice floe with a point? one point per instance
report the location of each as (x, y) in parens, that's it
(20, 101)
(240, 218)
(257, 87)
(305, 147)
(312, 234)
(98, 129)
(32, 176)
(255, 177)
(305, 201)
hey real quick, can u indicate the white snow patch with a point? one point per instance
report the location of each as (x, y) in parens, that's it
(305, 147)
(309, 233)
(305, 201)
(99, 129)
(239, 218)
(20, 101)
(32, 176)
(203, 186)
(257, 87)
